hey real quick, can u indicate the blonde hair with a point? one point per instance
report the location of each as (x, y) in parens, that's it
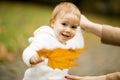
(65, 8)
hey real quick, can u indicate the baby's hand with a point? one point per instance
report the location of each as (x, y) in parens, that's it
(36, 59)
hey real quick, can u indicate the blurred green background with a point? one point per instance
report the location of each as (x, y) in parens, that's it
(18, 20)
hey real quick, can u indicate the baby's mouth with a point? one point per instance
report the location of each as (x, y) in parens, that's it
(65, 35)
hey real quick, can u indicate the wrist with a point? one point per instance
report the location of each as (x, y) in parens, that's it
(96, 29)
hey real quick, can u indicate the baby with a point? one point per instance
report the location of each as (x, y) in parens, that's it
(63, 32)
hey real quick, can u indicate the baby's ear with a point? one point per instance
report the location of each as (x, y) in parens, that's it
(52, 22)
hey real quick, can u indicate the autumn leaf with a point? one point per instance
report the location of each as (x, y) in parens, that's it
(61, 58)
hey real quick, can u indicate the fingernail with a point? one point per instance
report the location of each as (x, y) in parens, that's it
(65, 76)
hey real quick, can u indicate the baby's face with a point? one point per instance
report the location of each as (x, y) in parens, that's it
(65, 27)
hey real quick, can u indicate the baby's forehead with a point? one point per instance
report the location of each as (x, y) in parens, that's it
(70, 18)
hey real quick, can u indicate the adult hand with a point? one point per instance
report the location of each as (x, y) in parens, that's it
(70, 77)
(85, 24)
(90, 26)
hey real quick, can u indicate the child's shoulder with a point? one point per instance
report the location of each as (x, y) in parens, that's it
(43, 32)
(43, 29)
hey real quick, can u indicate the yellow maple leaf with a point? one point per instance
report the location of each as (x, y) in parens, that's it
(60, 58)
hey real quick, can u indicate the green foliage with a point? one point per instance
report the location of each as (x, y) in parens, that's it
(18, 21)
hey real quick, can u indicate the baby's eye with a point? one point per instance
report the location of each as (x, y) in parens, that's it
(74, 27)
(64, 24)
